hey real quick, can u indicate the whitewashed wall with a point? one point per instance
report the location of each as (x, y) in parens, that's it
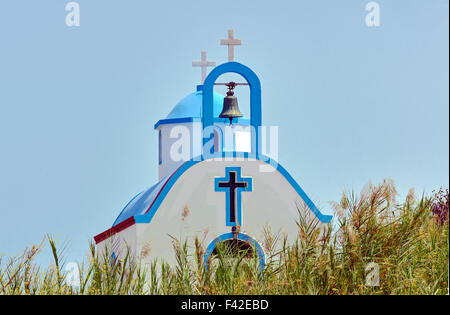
(273, 202)
(189, 135)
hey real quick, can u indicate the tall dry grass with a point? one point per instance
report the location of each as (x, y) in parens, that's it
(408, 241)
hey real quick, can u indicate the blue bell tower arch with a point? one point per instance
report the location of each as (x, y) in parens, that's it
(255, 100)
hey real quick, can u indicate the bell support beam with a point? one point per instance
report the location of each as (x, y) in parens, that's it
(255, 100)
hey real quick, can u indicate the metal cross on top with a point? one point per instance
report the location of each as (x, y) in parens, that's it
(204, 64)
(231, 42)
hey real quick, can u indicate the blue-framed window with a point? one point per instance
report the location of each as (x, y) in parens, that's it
(160, 147)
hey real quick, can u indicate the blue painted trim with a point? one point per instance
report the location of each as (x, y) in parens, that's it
(240, 236)
(113, 259)
(169, 121)
(146, 218)
(115, 222)
(236, 121)
(255, 99)
(176, 121)
(249, 187)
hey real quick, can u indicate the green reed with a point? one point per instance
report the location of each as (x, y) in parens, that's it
(405, 240)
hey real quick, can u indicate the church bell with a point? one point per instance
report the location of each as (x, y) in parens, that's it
(230, 108)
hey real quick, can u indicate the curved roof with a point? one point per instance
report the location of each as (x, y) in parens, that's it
(189, 109)
(141, 202)
(191, 106)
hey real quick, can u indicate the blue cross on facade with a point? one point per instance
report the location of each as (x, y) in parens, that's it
(233, 184)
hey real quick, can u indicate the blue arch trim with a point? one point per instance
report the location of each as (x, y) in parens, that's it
(255, 99)
(240, 236)
(249, 187)
(147, 217)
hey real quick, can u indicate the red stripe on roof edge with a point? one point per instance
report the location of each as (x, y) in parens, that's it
(130, 221)
(114, 230)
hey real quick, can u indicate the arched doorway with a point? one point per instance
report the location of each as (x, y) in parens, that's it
(235, 244)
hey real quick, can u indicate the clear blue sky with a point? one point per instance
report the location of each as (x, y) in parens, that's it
(78, 105)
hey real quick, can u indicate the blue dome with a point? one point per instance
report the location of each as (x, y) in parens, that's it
(191, 106)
